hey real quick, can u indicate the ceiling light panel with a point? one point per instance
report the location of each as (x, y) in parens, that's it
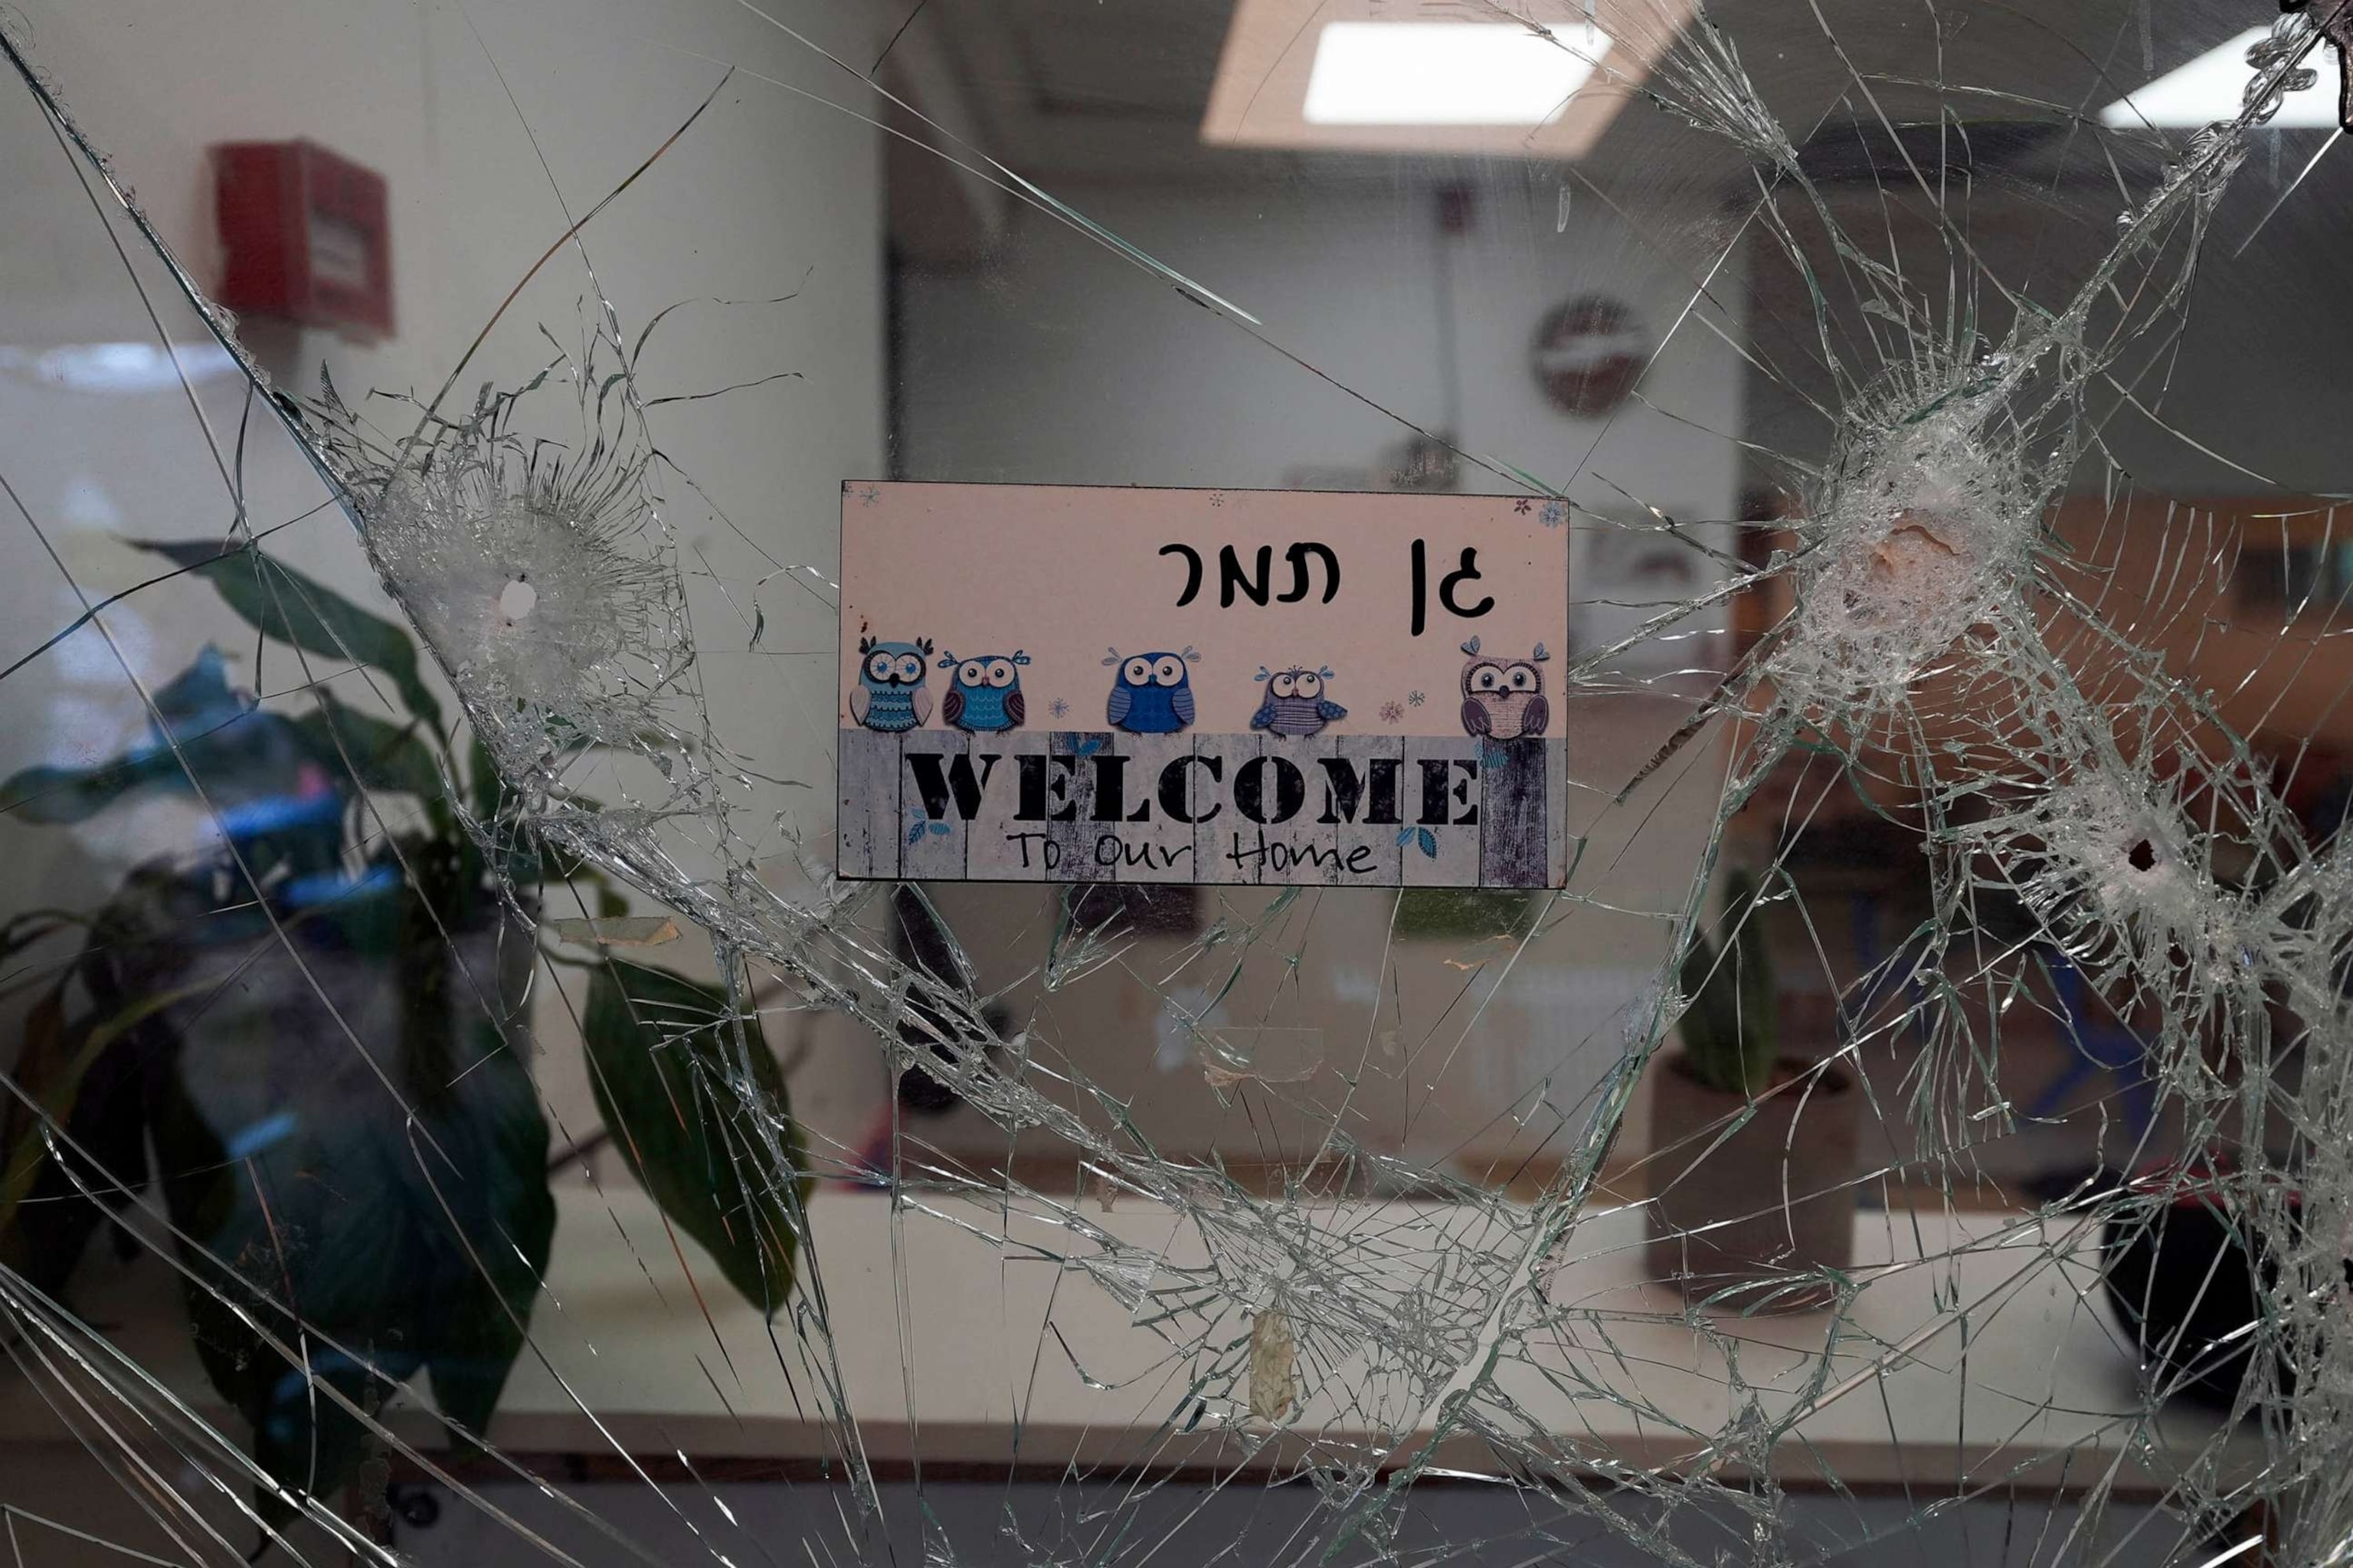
(1446, 73)
(1434, 77)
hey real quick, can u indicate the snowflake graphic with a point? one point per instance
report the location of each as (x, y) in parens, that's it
(1521, 504)
(1391, 711)
(868, 495)
(1059, 707)
(1415, 699)
(1554, 515)
(1217, 498)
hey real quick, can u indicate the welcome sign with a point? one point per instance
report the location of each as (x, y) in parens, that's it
(1064, 683)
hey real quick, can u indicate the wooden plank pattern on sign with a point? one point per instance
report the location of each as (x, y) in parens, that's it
(1513, 847)
(1436, 759)
(1071, 845)
(1088, 805)
(1560, 847)
(1213, 839)
(1379, 793)
(996, 850)
(927, 852)
(1205, 798)
(1160, 848)
(867, 822)
(1309, 831)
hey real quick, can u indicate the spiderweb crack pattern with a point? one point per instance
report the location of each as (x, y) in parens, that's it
(1936, 630)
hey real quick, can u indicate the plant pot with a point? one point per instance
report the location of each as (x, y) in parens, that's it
(1764, 1203)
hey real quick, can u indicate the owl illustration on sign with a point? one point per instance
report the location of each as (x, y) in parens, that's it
(985, 696)
(890, 694)
(1503, 699)
(1294, 703)
(1152, 692)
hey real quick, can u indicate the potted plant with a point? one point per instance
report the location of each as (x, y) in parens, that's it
(309, 1039)
(1753, 1148)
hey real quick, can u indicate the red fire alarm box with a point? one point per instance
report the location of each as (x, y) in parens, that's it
(305, 235)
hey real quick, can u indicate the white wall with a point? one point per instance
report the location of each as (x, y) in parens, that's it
(2242, 387)
(769, 194)
(1055, 361)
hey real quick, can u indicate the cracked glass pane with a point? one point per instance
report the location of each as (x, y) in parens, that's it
(454, 1108)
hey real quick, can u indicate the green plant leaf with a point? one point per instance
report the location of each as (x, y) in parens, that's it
(48, 1052)
(662, 1051)
(195, 712)
(411, 1232)
(100, 1087)
(380, 756)
(89, 1068)
(485, 790)
(51, 796)
(1731, 1024)
(282, 603)
(62, 1053)
(1709, 1026)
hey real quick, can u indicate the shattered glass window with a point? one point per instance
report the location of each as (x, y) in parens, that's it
(452, 1109)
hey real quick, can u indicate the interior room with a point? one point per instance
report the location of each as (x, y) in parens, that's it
(1755, 975)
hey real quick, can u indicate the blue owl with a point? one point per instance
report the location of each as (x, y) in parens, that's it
(1154, 693)
(985, 694)
(1295, 703)
(890, 694)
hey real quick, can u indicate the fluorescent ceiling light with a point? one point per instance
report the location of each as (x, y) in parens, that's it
(1445, 73)
(2209, 88)
(1424, 77)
